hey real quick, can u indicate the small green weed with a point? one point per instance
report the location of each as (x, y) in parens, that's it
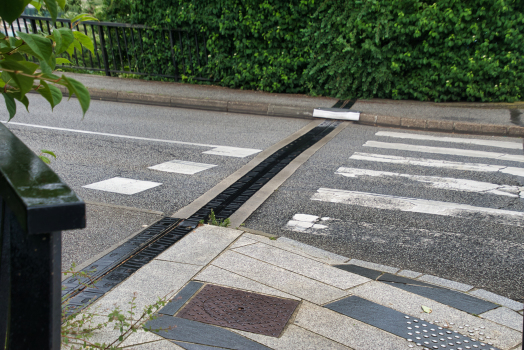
(212, 220)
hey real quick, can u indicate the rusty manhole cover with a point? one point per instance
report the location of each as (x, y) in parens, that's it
(241, 310)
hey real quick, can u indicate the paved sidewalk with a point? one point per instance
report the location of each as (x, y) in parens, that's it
(325, 301)
(461, 117)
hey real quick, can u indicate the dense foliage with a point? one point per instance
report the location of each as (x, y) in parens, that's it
(403, 49)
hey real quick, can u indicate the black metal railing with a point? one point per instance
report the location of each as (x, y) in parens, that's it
(125, 48)
(35, 206)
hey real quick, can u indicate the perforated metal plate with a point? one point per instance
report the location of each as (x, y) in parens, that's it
(251, 312)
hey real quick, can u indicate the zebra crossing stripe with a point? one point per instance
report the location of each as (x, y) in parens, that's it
(373, 157)
(444, 150)
(480, 142)
(415, 205)
(443, 183)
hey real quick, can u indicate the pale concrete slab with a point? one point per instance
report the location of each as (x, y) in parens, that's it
(498, 299)
(122, 185)
(242, 241)
(462, 322)
(506, 317)
(345, 330)
(302, 265)
(373, 266)
(300, 248)
(158, 279)
(278, 278)
(201, 246)
(409, 274)
(446, 283)
(182, 167)
(216, 275)
(294, 338)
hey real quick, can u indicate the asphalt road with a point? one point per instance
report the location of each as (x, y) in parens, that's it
(363, 195)
(372, 217)
(84, 159)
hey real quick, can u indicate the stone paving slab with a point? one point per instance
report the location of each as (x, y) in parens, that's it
(200, 246)
(158, 279)
(342, 329)
(300, 249)
(498, 299)
(278, 278)
(445, 283)
(216, 275)
(506, 317)
(302, 265)
(409, 274)
(411, 304)
(294, 338)
(242, 241)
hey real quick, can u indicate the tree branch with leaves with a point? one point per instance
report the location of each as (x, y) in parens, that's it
(28, 61)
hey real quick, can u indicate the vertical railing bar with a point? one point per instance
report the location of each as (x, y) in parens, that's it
(189, 52)
(126, 48)
(82, 49)
(205, 48)
(5, 28)
(132, 36)
(74, 49)
(181, 51)
(48, 24)
(95, 45)
(197, 52)
(13, 29)
(112, 47)
(119, 49)
(104, 50)
(173, 53)
(90, 54)
(142, 49)
(25, 26)
(19, 26)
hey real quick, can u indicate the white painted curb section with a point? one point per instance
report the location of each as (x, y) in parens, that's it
(336, 113)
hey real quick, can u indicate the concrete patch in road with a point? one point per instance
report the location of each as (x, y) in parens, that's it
(123, 185)
(182, 167)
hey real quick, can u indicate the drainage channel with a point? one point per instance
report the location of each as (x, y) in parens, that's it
(123, 261)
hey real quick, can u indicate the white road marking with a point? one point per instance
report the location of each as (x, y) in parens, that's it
(232, 151)
(444, 183)
(481, 142)
(218, 150)
(122, 185)
(444, 150)
(372, 157)
(415, 205)
(182, 167)
(305, 223)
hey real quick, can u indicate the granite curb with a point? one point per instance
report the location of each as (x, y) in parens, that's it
(275, 110)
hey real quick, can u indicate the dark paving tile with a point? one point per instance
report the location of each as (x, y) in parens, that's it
(188, 346)
(458, 300)
(180, 329)
(418, 331)
(181, 298)
(388, 277)
(359, 270)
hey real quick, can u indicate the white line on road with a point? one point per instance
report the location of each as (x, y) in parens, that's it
(415, 205)
(373, 157)
(481, 142)
(220, 150)
(443, 183)
(444, 150)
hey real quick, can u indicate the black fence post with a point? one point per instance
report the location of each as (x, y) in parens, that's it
(104, 50)
(35, 205)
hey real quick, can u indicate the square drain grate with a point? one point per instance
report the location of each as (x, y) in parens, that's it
(232, 308)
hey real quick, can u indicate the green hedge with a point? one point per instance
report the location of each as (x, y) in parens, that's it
(402, 49)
